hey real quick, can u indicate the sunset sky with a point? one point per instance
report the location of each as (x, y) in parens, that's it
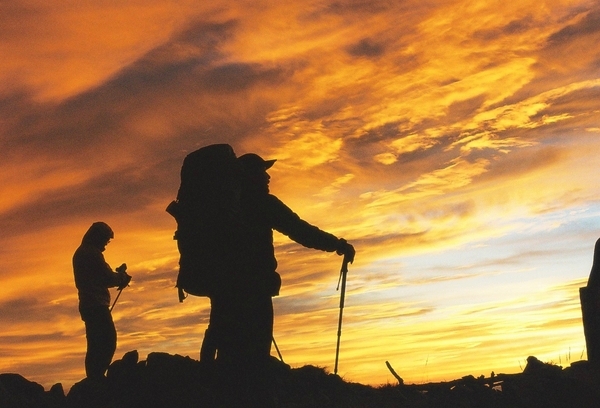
(454, 143)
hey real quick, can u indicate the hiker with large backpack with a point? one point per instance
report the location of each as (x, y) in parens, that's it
(225, 220)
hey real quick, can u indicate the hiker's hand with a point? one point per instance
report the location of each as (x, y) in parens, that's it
(124, 280)
(344, 248)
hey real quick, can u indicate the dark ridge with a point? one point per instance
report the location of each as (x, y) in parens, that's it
(165, 380)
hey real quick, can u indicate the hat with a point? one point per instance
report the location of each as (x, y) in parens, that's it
(252, 161)
(98, 234)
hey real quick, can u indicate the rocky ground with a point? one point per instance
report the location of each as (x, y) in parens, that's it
(164, 380)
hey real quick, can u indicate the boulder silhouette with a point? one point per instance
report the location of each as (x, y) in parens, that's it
(17, 391)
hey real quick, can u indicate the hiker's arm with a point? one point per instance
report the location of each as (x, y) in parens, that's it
(112, 279)
(289, 223)
(91, 270)
(107, 276)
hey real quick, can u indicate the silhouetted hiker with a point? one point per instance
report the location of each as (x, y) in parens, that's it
(262, 213)
(246, 338)
(93, 277)
(590, 309)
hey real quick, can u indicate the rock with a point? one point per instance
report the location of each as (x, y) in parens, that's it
(536, 367)
(56, 395)
(89, 393)
(18, 392)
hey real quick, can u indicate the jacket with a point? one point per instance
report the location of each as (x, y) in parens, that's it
(93, 276)
(263, 213)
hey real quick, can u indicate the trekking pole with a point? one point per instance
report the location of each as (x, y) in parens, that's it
(278, 352)
(343, 274)
(117, 298)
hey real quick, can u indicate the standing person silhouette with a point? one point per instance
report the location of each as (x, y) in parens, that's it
(93, 277)
(261, 213)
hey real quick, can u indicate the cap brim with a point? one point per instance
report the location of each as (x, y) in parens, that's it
(269, 163)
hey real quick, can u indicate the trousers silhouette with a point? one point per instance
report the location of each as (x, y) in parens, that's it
(101, 337)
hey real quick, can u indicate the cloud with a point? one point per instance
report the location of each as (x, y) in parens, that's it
(308, 150)
(60, 52)
(456, 174)
(74, 157)
(19, 314)
(356, 7)
(578, 39)
(523, 161)
(120, 192)
(513, 28)
(586, 26)
(487, 140)
(406, 144)
(366, 48)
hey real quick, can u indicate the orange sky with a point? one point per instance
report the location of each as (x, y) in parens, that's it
(453, 142)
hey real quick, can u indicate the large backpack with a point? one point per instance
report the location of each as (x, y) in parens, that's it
(206, 211)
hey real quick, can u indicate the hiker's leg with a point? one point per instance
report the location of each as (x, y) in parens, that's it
(256, 370)
(225, 328)
(258, 329)
(101, 339)
(208, 350)
(265, 334)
